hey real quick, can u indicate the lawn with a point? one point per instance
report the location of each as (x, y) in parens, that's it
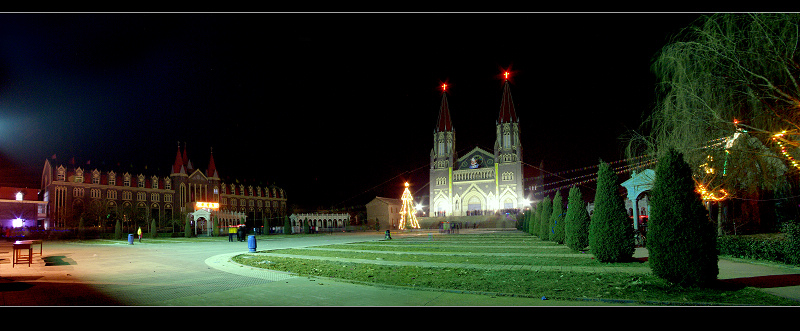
(513, 264)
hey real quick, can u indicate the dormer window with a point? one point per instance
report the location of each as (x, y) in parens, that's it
(95, 177)
(140, 181)
(126, 179)
(112, 178)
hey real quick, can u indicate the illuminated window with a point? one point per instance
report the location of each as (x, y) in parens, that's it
(19, 196)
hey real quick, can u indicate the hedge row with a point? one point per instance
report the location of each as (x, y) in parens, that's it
(782, 250)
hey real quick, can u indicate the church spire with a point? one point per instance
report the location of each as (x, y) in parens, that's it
(444, 123)
(211, 172)
(178, 165)
(507, 112)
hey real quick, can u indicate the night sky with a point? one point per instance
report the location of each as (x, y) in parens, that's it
(336, 108)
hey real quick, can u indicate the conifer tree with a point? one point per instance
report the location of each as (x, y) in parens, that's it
(153, 229)
(118, 230)
(534, 227)
(287, 225)
(681, 240)
(187, 229)
(610, 231)
(557, 220)
(544, 218)
(576, 222)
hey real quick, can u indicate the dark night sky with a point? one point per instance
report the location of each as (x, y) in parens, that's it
(329, 106)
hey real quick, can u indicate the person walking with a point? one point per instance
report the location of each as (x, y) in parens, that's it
(139, 232)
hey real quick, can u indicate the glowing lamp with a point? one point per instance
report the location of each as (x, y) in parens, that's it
(444, 87)
(17, 222)
(209, 205)
(506, 75)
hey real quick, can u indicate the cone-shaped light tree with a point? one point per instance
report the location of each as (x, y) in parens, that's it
(610, 231)
(681, 240)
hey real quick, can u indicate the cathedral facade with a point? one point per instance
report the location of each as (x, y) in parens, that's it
(479, 182)
(100, 195)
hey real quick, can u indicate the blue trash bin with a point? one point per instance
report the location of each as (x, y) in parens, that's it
(251, 243)
(130, 239)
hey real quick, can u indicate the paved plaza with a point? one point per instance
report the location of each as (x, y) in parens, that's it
(200, 273)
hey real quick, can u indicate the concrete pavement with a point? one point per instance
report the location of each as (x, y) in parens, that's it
(200, 273)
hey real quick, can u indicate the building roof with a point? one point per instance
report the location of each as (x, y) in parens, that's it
(388, 201)
(444, 123)
(507, 112)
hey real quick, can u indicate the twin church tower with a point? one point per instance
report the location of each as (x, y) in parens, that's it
(479, 182)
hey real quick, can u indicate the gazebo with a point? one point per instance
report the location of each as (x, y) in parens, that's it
(636, 185)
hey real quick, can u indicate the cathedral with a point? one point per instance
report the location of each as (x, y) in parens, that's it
(479, 182)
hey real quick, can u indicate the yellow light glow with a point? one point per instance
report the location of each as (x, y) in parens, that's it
(709, 195)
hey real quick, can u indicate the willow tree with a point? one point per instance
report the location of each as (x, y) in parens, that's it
(728, 86)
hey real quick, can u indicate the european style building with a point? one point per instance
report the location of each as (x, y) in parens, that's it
(72, 192)
(480, 181)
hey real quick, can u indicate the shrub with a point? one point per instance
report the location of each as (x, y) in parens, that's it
(792, 242)
(546, 207)
(287, 225)
(748, 247)
(681, 240)
(118, 230)
(153, 229)
(610, 231)
(576, 222)
(187, 229)
(557, 220)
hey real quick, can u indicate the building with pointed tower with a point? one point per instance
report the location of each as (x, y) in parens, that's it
(479, 182)
(100, 196)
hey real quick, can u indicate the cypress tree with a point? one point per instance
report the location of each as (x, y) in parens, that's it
(533, 228)
(576, 222)
(610, 231)
(681, 240)
(544, 218)
(187, 229)
(306, 228)
(153, 229)
(557, 220)
(118, 230)
(287, 225)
